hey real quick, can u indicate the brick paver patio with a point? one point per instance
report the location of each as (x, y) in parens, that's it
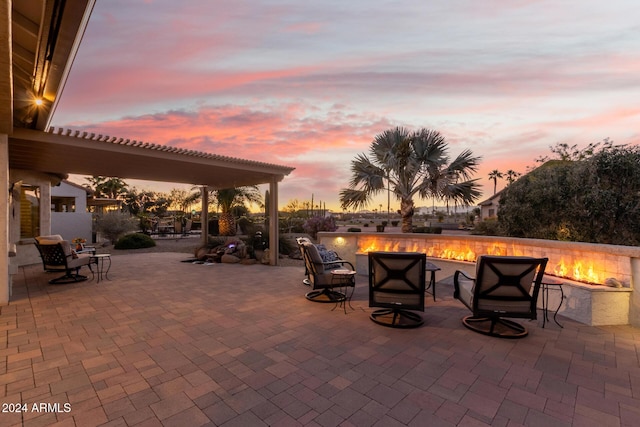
(166, 343)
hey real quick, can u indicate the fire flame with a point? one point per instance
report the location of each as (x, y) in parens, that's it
(580, 270)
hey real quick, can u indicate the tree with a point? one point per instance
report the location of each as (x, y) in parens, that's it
(110, 187)
(591, 200)
(411, 164)
(182, 199)
(512, 176)
(234, 199)
(494, 175)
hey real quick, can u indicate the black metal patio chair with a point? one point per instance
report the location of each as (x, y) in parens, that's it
(504, 287)
(397, 285)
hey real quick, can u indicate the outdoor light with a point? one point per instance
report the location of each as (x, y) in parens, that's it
(39, 101)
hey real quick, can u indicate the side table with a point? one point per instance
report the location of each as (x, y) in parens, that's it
(99, 260)
(555, 284)
(432, 281)
(344, 279)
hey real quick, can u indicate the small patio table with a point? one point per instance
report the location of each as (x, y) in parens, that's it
(99, 260)
(344, 279)
(555, 284)
(432, 281)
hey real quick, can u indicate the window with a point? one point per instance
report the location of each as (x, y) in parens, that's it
(63, 204)
(29, 211)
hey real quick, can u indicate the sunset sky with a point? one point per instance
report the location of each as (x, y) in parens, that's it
(309, 84)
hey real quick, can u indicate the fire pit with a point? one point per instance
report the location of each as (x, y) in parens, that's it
(589, 270)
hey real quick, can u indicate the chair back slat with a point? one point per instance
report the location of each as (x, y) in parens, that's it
(515, 281)
(397, 279)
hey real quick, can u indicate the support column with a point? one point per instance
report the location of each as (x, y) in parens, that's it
(274, 238)
(634, 304)
(45, 208)
(204, 215)
(4, 220)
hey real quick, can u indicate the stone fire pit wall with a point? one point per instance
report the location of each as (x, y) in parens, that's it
(592, 304)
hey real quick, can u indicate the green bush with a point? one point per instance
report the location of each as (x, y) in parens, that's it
(488, 227)
(115, 224)
(395, 223)
(134, 241)
(354, 230)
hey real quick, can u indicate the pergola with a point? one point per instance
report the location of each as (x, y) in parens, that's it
(38, 43)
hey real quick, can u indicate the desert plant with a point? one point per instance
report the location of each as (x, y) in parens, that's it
(115, 224)
(319, 223)
(229, 200)
(134, 241)
(409, 165)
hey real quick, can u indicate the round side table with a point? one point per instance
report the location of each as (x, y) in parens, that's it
(99, 260)
(344, 279)
(554, 284)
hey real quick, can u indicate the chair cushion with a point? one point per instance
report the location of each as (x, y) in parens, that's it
(49, 240)
(466, 290)
(315, 256)
(82, 259)
(328, 256)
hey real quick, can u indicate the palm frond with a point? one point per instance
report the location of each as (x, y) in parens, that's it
(352, 198)
(366, 174)
(464, 165)
(430, 147)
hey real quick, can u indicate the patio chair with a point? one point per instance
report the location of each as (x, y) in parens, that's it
(397, 285)
(504, 287)
(57, 256)
(319, 275)
(300, 240)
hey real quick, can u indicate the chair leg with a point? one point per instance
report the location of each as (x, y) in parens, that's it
(69, 277)
(395, 318)
(325, 295)
(495, 327)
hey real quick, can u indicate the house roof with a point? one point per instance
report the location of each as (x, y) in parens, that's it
(492, 199)
(59, 152)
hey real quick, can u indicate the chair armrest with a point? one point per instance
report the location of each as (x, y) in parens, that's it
(456, 283)
(339, 261)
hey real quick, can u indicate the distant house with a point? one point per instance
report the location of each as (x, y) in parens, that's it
(489, 207)
(69, 215)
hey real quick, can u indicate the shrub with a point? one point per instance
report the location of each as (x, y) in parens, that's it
(429, 230)
(134, 241)
(395, 223)
(115, 224)
(319, 223)
(488, 227)
(246, 226)
(354, 230)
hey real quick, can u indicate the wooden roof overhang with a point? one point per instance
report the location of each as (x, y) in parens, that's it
(61, 152)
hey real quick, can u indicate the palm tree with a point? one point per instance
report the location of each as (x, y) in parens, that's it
(512, 176)
(412, 164)
(232, 199)
(494, 175)
(111, 187)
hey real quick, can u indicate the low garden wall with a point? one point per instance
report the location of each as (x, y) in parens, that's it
(585, 269)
